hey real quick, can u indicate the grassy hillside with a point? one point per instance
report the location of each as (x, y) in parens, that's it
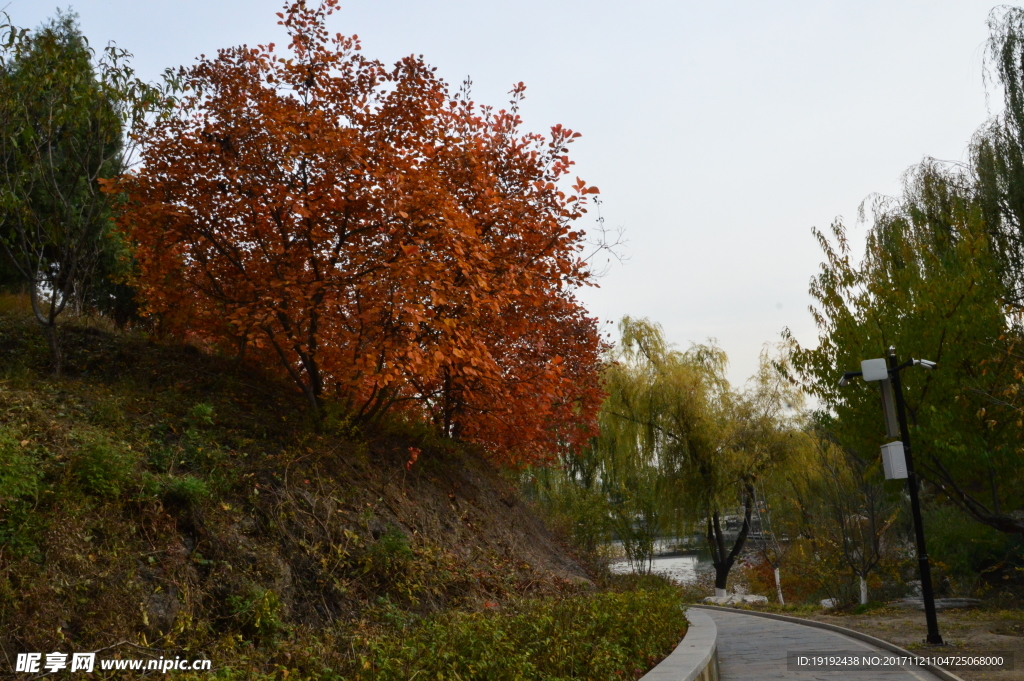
(157, 500)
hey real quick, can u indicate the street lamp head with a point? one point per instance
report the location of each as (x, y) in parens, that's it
(927, 364)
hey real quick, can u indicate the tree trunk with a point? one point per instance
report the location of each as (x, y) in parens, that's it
(723, 561)
(778, 586)
(722, 577)
(53, 332)
(309, 388)
(863, 591)
(53, 340)
(48, 320)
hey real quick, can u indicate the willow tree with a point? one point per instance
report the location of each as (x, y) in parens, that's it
(782, 508)
(675, 436)
(997, 150)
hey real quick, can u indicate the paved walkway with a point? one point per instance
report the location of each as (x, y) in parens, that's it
(754, 649)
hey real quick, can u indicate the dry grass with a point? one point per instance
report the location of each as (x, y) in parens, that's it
(15, 304)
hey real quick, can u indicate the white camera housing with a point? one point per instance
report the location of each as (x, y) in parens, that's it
(875, 369)
(894, 461)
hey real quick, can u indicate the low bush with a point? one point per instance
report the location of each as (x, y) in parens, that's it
(388, 561)
(18, 475)
(590, 636)
(19, 485)
(101, 466)
(607, 635)
(808, 575)
(257, 613)
(186, 491)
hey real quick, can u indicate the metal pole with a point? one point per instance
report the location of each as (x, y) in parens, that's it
(934, 637)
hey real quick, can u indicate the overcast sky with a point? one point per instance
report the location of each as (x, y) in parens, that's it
(719, 133)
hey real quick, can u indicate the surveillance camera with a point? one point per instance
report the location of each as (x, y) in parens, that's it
(927, 364)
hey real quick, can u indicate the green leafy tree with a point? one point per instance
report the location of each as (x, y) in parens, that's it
(570, 496)
(783, 509)
(930, 285)
(857, 512)
(942, 278)
(62, 118)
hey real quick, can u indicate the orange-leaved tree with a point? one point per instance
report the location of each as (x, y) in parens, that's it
(384, 240)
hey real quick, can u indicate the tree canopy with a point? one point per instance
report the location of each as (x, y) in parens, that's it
(388, 242)
(930, 286)
(62, 118)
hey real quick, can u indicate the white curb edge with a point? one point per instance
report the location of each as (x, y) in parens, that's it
(696, 656)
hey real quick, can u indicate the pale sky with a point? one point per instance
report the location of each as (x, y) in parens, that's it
(719, 133)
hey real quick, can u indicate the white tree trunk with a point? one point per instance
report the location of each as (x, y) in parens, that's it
(863, 591)
(778, 586)
(719, 592)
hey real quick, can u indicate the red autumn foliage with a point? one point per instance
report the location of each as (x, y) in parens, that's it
(414, 454)
(386, 242)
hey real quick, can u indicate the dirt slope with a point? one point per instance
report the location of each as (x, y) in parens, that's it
(166, 497)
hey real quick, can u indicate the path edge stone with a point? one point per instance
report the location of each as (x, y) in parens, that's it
(867, 638)
(696, 656)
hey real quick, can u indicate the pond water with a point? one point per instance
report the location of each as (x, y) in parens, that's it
(683, 569)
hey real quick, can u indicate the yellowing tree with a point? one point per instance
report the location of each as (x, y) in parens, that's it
(675, 435)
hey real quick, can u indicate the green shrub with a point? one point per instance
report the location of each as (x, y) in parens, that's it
(186, 490)
(19, 475)
(149, 486)
(19, 483)
(200, 416)
(387, 564)
(391, 553)
(100, 466)
(257, 613)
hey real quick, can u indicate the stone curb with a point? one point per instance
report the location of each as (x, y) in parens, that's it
(938, 671)
(696, 656)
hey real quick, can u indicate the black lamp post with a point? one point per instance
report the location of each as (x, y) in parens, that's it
(893, 373)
